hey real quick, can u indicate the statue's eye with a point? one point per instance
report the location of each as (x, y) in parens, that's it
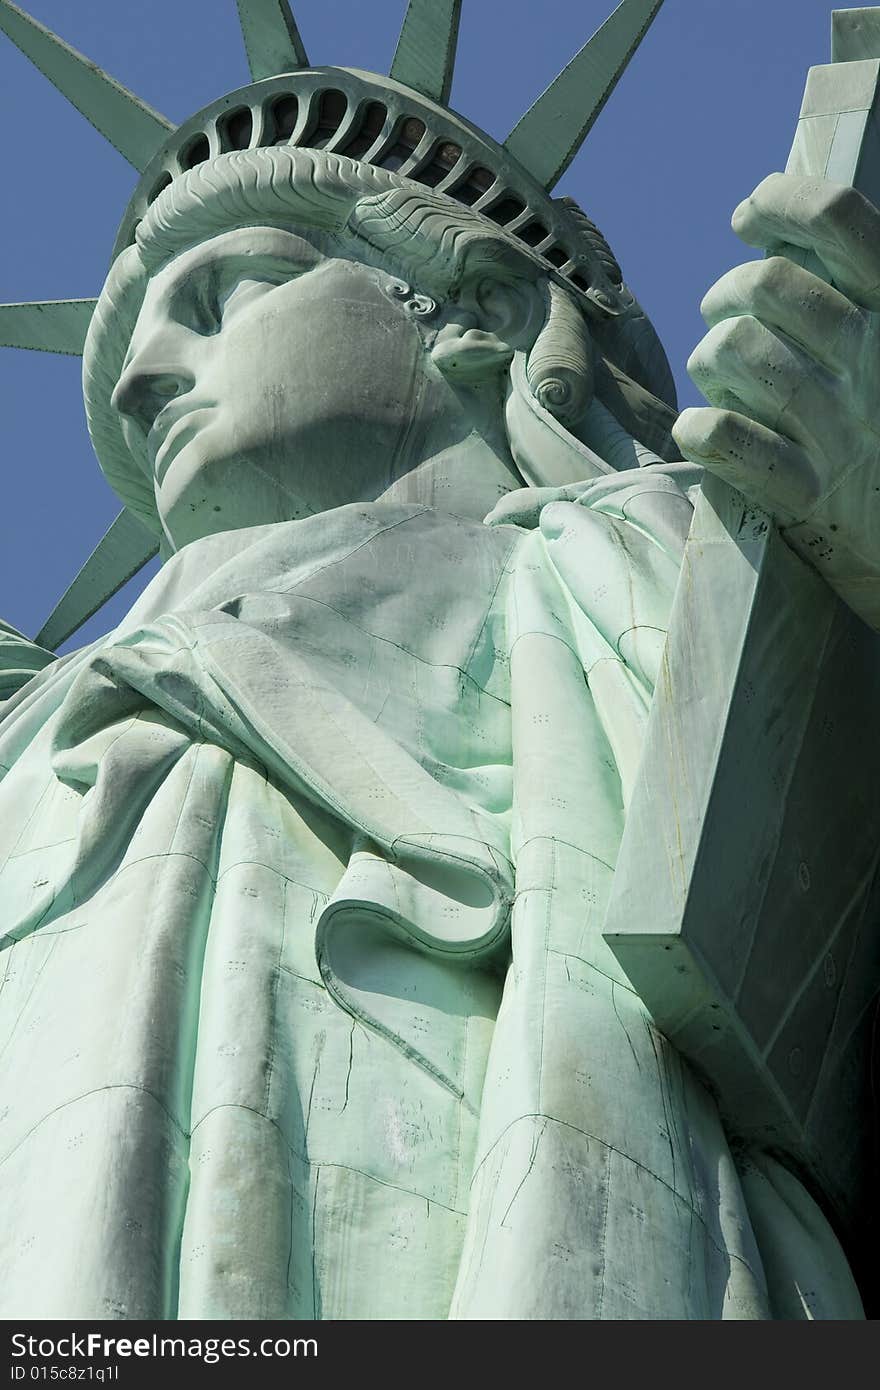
(214, 293)
(240, 294)
(200, 308)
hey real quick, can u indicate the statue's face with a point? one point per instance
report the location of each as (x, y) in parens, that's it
(269, 377)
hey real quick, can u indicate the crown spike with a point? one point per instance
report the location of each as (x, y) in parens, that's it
(123, 550)
(549, 135)
(132, 127)
(271, 39)
(425, 53)
(54, 325)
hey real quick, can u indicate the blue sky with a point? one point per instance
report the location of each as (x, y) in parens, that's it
(706, 109)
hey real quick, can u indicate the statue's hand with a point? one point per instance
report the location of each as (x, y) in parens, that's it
(792, 366)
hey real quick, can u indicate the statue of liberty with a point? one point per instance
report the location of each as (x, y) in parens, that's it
(306, 1008)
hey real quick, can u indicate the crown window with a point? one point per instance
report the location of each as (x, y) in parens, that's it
(408, 136)
(444, 158)
(533, 233)
(504, 211)
(372, 122)
(282, 115)
(471, 188)
(332, 106)
(162, 182)
(579, 281)
(235, 129)
(195, 152)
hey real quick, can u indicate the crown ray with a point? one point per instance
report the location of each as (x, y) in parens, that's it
(271, 39)
(124, 549)
(132, 127)
(425, 53)
(549, 135)
(53, 325)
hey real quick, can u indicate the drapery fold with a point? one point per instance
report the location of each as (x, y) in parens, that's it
(306, 1010)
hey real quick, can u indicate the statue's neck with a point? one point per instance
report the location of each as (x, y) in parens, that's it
(452, 460)
(464, 465)
(466, 478)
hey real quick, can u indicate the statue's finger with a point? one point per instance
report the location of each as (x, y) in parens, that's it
(784, 296)
(522, 507)
(772, 472)
(832, 220)
(743, 365)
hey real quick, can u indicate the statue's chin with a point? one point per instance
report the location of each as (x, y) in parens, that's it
(204, 491)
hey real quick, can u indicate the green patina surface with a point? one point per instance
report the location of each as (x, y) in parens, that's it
(372, 892)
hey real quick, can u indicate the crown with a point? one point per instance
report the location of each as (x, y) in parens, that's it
(381, 122)
(400, 123)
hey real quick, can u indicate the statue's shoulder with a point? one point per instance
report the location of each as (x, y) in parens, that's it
(658, 498)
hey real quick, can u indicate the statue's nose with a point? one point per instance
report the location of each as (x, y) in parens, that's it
(146, 385)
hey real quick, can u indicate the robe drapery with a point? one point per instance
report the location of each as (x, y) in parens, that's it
(305, 1009)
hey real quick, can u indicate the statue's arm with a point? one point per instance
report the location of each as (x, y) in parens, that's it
(791, 368)
(20, 659)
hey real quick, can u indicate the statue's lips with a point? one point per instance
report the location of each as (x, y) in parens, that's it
(171, 440)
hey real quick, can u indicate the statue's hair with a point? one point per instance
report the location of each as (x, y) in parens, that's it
(559, 370)
(283, 185)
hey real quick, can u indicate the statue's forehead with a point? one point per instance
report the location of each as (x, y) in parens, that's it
(300, 249)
